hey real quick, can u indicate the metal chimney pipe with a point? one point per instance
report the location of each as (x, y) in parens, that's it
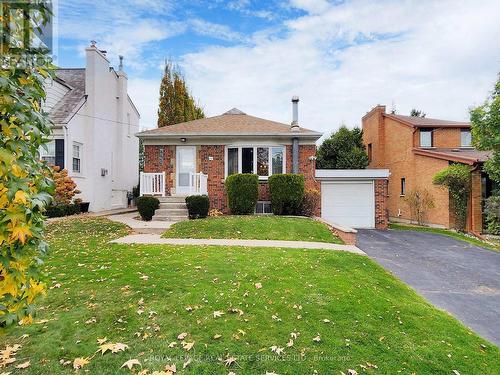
(295, 113)
(120, 67)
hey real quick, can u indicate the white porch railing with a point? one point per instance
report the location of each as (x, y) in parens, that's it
(198, 183)
(152, 184)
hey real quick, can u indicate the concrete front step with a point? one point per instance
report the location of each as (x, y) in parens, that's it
(171, 212)
(173, 199)
(172, 205)
(170, 218)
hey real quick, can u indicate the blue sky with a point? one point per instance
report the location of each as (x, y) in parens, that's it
(340, 57)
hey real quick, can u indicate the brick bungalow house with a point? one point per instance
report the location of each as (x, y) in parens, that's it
(195, 157)
(415, 149)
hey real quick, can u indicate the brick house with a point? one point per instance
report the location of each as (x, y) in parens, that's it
(197, 156)
(414, 149)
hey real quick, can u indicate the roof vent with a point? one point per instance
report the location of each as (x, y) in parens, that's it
(234, 111)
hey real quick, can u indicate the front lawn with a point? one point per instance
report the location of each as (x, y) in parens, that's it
(217, 310)
(445, 232)
(254, 228)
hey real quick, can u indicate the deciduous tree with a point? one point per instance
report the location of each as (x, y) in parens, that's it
(176, 103)
(485, 121)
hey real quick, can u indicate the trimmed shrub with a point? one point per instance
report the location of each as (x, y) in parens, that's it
(61, 210)
(287, 193)
(492, 211)
(197, 206)
(242, 193)
(147, 207)
(310, 203)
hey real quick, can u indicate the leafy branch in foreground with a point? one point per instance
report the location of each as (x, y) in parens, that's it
(24, 186)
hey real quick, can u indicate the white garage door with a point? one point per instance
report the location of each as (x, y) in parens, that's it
(347, 203)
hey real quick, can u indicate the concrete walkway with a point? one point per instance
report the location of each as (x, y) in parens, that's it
(140, 226)
(148, 239)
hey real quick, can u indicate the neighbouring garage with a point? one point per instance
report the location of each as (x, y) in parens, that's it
(354, 198)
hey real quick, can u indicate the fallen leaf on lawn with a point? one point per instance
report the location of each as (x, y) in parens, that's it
(271, 373)
(277, 349)
(187, 345)
(258, 285)
(294, 335)
(218, 314)
(23, 365)
(102, 341)
(130, 363)
(231, 373)
(317, 338)
(172, 344)
(189, 308)
(186, 364)
(326, 321)
(456, 372)
(114, 348)
(352, 372)
(289, 343)
(171, 369)
(144, 277)
(216, 337)
(80, 362)
(237, 311)
(182, 336)
(91, 320)
(229, 361)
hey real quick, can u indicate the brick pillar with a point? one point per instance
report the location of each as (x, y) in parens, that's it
(475, 203)
(381, 211)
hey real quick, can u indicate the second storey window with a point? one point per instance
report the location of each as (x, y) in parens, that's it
(263, 161)
(426, 138)
(403, 186)
(465, 138)
(76, 157)
(370, 151)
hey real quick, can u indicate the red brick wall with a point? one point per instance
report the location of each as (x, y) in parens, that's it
(381, 211)
(215, 171)
(152, 163)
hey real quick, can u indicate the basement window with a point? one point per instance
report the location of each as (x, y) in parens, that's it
(263, 208)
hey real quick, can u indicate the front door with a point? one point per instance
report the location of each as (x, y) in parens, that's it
(186, 168)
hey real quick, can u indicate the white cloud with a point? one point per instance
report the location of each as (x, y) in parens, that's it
(215, 30)
(145, 93)
(344, 59)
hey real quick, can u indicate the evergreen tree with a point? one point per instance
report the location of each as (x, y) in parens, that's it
(343, 150)
(176, 103)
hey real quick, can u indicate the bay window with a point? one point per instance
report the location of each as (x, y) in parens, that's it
(261, 160)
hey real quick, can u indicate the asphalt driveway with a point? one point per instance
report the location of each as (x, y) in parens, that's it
(460, 278)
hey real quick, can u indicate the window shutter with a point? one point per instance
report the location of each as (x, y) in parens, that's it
(60, 153)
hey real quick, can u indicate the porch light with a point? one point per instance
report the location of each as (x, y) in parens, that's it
(183, 140)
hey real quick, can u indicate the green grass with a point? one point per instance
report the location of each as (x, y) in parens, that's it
(458, 236)
(254, 228)
(97, 290)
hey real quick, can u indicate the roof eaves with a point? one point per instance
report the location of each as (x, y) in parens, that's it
(446, 156)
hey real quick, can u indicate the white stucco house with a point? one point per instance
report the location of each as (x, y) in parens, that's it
(93, 135)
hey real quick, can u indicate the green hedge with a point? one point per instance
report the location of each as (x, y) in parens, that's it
(61, 210)
(198, 206)
(242, 193)
(147, 207)
(287, 193)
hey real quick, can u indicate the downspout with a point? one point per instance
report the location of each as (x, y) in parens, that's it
(295, 140)
(295, 155)
(65, 135)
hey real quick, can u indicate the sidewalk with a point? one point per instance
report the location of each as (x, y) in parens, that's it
(141, 226)
(151, 239)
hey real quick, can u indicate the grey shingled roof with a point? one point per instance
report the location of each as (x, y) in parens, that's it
(75, 80)
(231, 123)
